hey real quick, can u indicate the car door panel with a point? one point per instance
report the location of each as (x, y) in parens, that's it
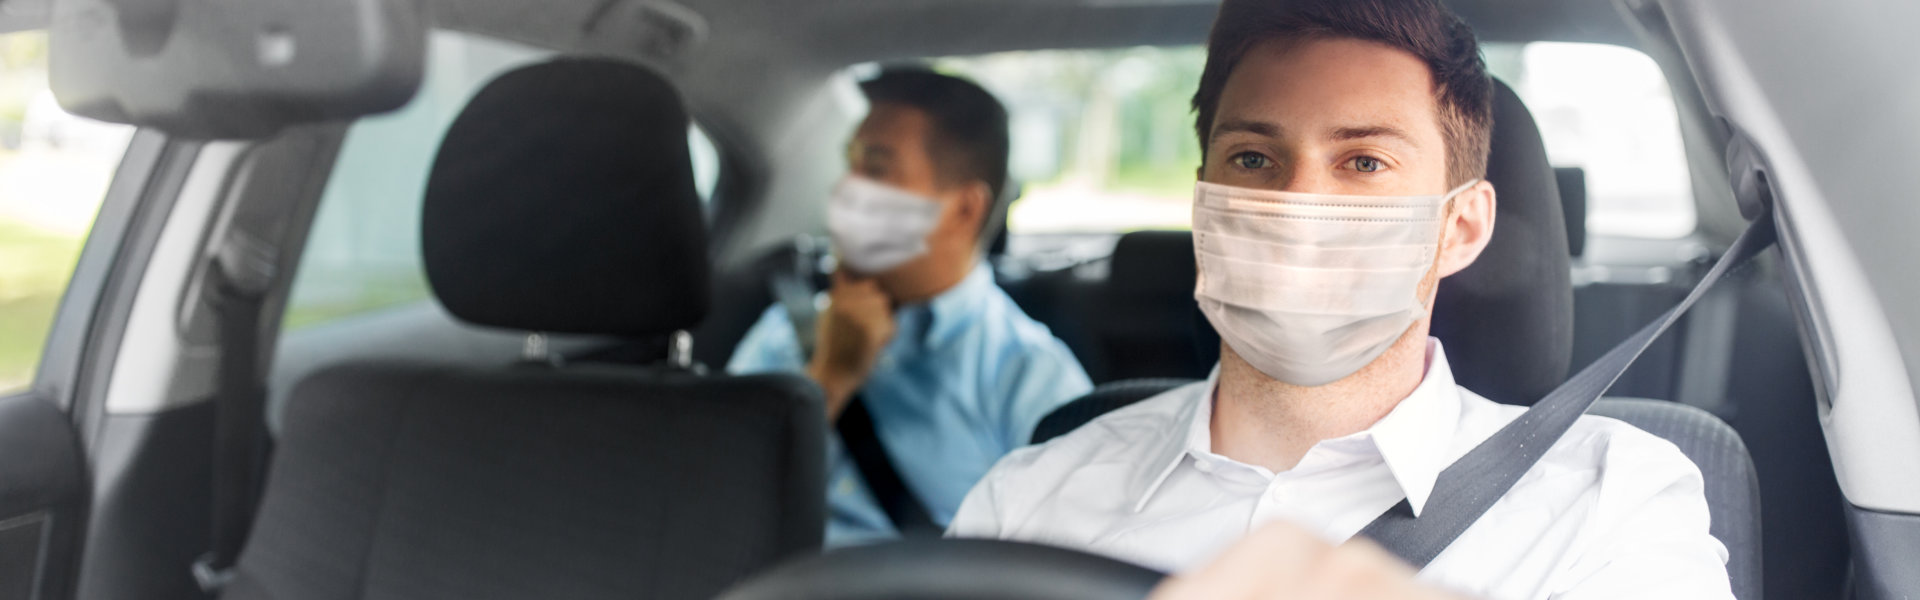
(43, 496)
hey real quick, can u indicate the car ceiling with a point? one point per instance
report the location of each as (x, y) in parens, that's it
(850, 31)
(860, 30)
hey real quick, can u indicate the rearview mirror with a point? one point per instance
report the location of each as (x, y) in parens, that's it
(225, 69)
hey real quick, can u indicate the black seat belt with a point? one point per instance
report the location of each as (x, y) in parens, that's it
(1471, 485)
(906, 512)
(240, 275)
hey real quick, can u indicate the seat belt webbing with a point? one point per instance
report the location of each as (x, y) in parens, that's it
(904, 509)
(1471, 485)
(241, 275)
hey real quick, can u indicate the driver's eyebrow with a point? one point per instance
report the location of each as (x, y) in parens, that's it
(1260, 128)
(1348, 134)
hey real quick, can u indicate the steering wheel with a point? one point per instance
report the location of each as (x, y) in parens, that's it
(945, 569)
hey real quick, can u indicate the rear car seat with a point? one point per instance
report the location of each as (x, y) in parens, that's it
(1507, 322)
(1142, 322)
(561, 201)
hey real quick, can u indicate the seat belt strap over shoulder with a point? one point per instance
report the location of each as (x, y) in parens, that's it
(1467, 488)
(239, 276)
(908, 515)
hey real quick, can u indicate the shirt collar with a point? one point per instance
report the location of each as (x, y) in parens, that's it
(1413, 439)
(950, 313)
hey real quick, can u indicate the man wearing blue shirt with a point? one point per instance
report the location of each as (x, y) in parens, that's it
(915, 335)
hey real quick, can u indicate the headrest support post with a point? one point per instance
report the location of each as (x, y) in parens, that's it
(535, 349)
(680, 353)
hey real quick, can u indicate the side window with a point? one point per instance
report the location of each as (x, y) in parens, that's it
(1102, 139)
(1607, 110)
(363, 252)
(706, 164)
(54, 171)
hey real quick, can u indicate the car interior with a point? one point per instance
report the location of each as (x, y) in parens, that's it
(446, 278)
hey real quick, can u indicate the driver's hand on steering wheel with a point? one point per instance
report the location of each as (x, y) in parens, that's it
(1281, 561)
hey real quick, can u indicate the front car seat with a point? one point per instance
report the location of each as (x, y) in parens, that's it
(1507, 322)
(562, 200)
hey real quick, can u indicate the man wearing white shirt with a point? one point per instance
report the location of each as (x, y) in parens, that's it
(1344, 143)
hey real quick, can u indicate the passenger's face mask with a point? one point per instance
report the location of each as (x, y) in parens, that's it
(876, 227)
(1309, 288)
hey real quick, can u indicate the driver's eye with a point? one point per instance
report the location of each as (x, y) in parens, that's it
(1367, 164)
(1251, 160)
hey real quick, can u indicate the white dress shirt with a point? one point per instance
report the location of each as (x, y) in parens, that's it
(1610, 512)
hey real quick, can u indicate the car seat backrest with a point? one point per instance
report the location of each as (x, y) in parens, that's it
(1507, 320)
(1141, 320)
(1733, 484)
(561, 201)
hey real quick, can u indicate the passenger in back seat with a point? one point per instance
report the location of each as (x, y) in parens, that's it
(1344, 146)
(917, 349)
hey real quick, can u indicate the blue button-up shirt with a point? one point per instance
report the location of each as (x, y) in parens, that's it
(964, 381)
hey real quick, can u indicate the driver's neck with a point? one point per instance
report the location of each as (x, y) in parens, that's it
(1260, 421)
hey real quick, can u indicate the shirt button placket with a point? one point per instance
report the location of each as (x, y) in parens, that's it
(1270, 501)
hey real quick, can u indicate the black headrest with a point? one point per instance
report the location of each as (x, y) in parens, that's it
(1507, 321)
(1152, 262)
(563, 200)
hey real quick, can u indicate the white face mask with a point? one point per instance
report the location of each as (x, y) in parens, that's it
(876, 227)
(1309, 288)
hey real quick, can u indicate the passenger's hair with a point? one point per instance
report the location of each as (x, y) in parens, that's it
(1422, 28)
(969, 127)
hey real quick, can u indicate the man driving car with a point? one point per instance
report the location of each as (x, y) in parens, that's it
(1344, 143)
(931, 372)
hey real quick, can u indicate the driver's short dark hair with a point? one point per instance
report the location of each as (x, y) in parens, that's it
(1422, 28)
(969, 137)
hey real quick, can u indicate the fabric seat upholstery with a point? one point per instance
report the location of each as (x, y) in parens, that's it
(1141, 323)
(561, 201)
(1733, 485)
(1507, 322)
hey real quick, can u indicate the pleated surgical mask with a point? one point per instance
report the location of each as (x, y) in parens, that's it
(876, 227)
(1309, 288)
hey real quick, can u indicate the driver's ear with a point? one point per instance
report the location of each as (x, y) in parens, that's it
(1468, 228)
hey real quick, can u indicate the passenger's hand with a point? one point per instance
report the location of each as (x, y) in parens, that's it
(1281, 561)
(850, 334)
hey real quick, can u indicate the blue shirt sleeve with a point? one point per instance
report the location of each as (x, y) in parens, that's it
(1042, 376)
(769, 347)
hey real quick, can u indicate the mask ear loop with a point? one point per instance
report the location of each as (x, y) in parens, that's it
(1446, 218)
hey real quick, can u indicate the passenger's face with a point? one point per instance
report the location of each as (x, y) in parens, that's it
(891, 147)
(1333, 116)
